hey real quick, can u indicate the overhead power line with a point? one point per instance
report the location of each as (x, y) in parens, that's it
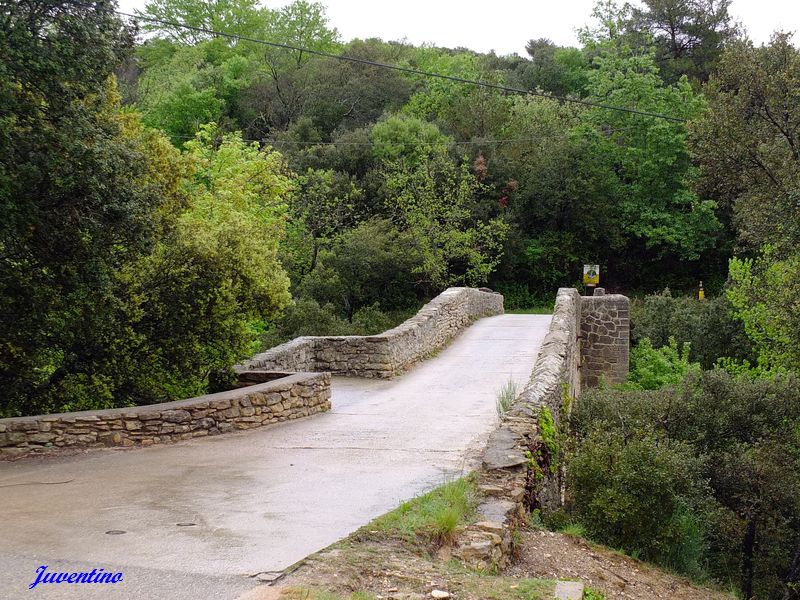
(409, 70)
(450, 143)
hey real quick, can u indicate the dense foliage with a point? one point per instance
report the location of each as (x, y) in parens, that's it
(710, 327)
(117, 280)
(703, 477)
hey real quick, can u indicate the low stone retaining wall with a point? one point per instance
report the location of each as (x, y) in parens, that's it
(255, 405)
(521, 470)
(392, 352)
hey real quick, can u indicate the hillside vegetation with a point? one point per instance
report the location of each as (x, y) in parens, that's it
(176, 195)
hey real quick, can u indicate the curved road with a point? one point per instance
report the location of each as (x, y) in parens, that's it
(259, 500)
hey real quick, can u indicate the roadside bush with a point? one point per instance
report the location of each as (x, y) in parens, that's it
(708, 326)
(370, 320)
(517, 296)
(641, 494)
(653, 368)
(371, 264)
(715, 458)
(307, 317)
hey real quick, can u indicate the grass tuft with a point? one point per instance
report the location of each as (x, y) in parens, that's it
(433, 518)
(506, 396)
(574, 530)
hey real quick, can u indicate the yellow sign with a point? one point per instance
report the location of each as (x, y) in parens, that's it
(591, 274)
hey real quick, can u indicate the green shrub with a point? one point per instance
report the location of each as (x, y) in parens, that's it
(653, 368)
(306, 317)
(371, 320)
(724, 450)
(764, 293)
(633, 493)
(708, 326)
(517, 296)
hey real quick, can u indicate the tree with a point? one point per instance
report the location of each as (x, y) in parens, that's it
(555, 225)
(350, 95)
(689, 34)
(374, 263)
(235, 17)
(191, 86)
(72, 210)
(764, 293)
(646, 159)
(432, 199)
(214, 271)
(301, 24)
(748, 145)
(748, 142)
(278, 96)
(324, 203)
(561, 71)
(406, 139)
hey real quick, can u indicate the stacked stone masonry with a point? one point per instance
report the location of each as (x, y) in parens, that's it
(255, 405)
(275, 386)
(517, 474)
(392, 352)
(605, 333)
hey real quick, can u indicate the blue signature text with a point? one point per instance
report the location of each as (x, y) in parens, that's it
(93, 576)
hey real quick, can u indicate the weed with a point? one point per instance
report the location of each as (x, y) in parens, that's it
(535, 519)
(592, 594)
(506, 396)
(549, 435)
(532, 589)
(574, 530)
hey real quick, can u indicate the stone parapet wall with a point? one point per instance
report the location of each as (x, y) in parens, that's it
(392, 352)
(291, 397)
(519, 471)
(605, 334)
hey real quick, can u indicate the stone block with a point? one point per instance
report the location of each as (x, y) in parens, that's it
(149, 415)
(12, 438)
(41, 438)
(176, 416)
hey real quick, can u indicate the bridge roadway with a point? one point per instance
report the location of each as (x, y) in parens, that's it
(261, 499)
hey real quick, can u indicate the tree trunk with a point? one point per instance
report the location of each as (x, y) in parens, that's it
(792, 579)
(748, 547)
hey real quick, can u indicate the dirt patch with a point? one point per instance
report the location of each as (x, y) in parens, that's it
(559, 556)
(390, 570)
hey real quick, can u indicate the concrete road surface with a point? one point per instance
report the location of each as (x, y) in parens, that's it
(200, 518)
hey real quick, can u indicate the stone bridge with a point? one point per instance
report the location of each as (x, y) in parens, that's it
(220, 501)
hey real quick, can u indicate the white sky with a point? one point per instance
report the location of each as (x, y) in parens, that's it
(503, 25)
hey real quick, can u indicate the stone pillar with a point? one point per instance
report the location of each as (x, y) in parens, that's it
(605, 338)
